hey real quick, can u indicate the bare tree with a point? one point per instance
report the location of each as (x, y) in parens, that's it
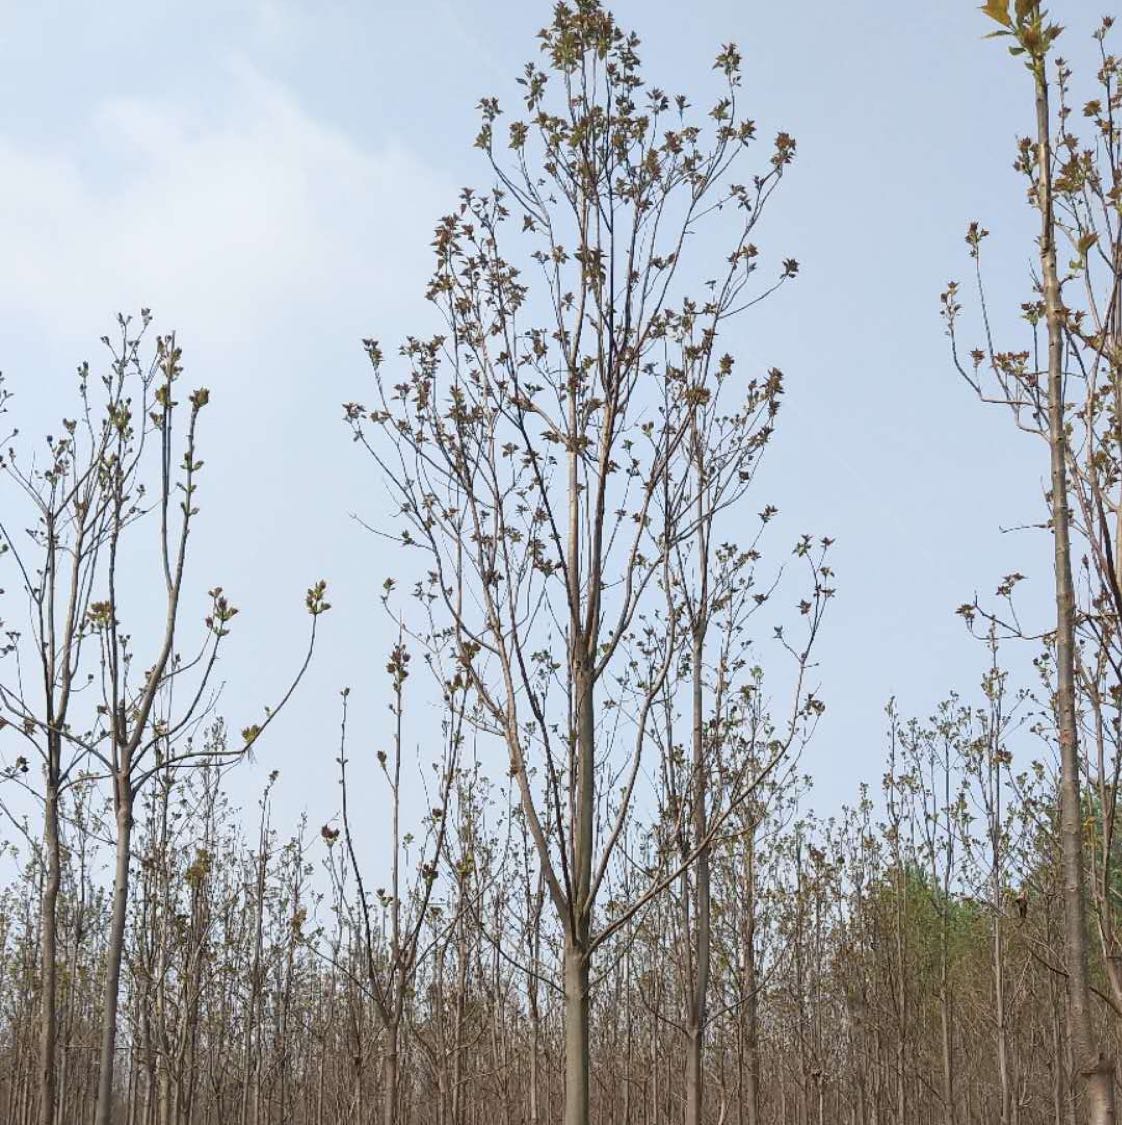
(1036, 392)
(531, 441)
(111, 473)
(391, 956)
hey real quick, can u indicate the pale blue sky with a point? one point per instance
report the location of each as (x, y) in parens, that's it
(265, 176)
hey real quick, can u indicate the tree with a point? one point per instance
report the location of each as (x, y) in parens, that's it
(110, 474)
(391, 955)
(1037, 396)
(536, 445)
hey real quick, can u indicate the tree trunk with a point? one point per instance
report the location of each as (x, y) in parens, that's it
(948, 1059)
(48, 1029)
(1000, 1016)
(576, 1035)
(390, 1078)
(698, 1014)
(577, 940)
(104, 1111)
(752, 1007)
(901, 995)
(1095, 1069)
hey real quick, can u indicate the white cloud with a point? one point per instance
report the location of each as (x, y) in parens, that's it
(226, 220)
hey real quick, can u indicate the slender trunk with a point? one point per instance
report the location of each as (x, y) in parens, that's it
(577, 940)
(1000, 1017)
(945, 1007)
(752, 1007)
(945, 1020)
(1058, 1076)
(1095, 1069)
(576, 1034)
(320, 1087)
(698, 1003)
(48, 1029)
(104, 1111)
(901, 999)
(861, 1114)
(535, 1029)
(390, 1077)
(457, 1112)
(130, 1117)
(878, 1077)
(250, 1060)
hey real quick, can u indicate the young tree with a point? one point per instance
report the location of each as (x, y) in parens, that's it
(391, 955)
(113, 472)
(933, 755)
(1037, 394)
(531, 442)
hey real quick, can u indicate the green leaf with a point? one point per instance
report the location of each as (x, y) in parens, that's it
(1086, 242)
(998, 10)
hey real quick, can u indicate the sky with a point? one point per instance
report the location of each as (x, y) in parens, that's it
(266, 176)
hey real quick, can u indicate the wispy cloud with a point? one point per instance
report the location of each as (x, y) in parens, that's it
(227, 218)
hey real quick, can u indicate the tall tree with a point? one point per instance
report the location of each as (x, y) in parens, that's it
(530, 443)
(1038, 396)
